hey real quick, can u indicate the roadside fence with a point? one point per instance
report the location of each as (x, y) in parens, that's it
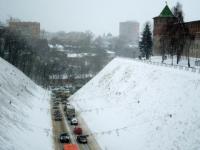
(179, 67)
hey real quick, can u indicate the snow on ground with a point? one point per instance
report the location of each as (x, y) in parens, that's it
(131, 105)
(25, 122)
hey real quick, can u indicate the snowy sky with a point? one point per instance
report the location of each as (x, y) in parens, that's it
(98, 16)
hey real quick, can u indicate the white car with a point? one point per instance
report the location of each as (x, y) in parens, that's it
(74, 121)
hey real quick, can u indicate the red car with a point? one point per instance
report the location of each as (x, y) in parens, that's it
(70, 147)
(77, 130)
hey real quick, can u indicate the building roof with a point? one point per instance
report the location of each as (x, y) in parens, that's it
(166, 12)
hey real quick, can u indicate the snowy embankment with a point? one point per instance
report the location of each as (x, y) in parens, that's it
(25, 122)
(137, 106)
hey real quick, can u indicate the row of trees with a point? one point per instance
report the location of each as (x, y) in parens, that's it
(39, 62)
(177, 37)
(25, 53)
(16, 50)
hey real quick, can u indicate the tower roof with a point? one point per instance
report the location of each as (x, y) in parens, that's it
(166, 12)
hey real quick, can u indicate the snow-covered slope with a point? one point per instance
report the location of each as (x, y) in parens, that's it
(24, 112)
(132, 105)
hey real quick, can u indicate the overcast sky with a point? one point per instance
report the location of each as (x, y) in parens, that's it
(98, 16)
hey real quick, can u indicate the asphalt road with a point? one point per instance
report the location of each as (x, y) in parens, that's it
(64, 126)
(58, 127)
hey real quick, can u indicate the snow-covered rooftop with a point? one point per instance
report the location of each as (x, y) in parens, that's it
(79, 55)
(135, 105)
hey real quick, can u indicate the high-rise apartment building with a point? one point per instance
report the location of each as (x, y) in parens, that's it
(129, 32)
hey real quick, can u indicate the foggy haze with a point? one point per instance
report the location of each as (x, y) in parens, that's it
(98, 16)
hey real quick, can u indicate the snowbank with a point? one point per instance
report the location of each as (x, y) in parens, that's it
(25, 122)
(134, 105)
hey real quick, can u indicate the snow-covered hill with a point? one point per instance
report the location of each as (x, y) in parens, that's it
(25, 122)
(132, 105)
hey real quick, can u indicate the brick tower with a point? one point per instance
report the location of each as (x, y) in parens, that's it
(161, 23)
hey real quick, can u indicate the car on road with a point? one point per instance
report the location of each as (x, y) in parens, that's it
(64, 138)
(74, 121)
(56, 112)
(70, 147)
(69, 118)
(77, 130)
(67, 104)
(58, 115)
(70, 112)
(64, 102)
(56, 103)
(65, 108)
(55, 107)
(56, 99)
(82, 139)
(58, 118)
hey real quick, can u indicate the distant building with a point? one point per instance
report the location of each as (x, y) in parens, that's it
(167, 19)
(129, 32)
(28, 29)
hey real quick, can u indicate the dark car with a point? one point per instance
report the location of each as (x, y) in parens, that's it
(64, 138)
(63, 102)
(82, 139)
(55, 107)
(56, 112)
(69, 118)
(56, 103)
(58, 115)
(58, 118)
(65, 108)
